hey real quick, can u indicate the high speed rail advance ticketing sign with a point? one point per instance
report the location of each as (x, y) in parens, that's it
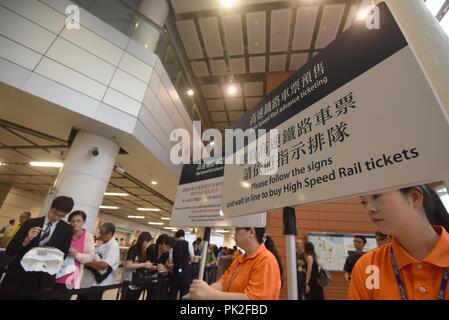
(198, 200)
(359, 117)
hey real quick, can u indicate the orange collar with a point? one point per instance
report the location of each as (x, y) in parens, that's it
(258, 251)
(439, 256)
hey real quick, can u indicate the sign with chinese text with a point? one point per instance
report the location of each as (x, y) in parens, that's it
(198, 200)
(359, 117)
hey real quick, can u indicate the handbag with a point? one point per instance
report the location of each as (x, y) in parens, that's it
(324, 277)
(99, 277)
(144, 274)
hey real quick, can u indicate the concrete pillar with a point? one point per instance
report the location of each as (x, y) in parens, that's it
(429, 43)
(4, 190)
(200, 232)
(228, 240)
(84, 176)
(156, 11)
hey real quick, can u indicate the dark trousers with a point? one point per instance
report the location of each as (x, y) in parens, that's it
(133, 294)
(180, 283)
(301, 285)
(91, 296)
(20, 285)
(210, 274)
(61, 292)
(162, 289)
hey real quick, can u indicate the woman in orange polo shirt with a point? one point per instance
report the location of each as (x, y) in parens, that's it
(255, 275)
(415, 264)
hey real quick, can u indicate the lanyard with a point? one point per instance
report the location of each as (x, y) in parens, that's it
(232, 277)
(443, 285)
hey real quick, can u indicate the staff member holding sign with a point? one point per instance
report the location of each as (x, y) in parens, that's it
(255, 275)
(415, 265)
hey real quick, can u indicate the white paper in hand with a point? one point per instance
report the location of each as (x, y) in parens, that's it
(44, 259)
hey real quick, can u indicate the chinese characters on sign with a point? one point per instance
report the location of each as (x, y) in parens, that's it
(317, 141)
(208, 191)
(299, 88)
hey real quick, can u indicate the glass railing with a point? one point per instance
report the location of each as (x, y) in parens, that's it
(123, 16)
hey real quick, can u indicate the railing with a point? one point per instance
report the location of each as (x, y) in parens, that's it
(121, 15)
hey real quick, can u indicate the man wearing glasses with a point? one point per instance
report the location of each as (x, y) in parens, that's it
(353, 256)
(48, 231)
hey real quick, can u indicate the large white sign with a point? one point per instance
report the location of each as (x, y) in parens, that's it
(360, 117)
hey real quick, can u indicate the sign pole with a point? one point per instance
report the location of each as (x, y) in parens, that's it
(290, 234)
(206, 240)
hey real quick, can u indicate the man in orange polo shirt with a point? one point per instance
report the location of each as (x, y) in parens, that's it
(255, 275)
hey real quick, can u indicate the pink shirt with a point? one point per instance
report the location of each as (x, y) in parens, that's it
(78, 244)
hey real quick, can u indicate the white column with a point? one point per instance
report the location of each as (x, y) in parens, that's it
(5, 187)
(200, 232)
(85, 177)
(228, 240)
(429, 42)
(156, 11)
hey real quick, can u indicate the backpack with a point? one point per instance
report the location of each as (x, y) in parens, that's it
(324, 277)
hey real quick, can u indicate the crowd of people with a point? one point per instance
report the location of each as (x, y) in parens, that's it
(162, 270)
(412, 254)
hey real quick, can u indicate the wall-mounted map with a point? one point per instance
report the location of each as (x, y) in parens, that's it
(332, 248)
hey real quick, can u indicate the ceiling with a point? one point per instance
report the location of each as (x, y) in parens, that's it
(240, 44)
(19, 146)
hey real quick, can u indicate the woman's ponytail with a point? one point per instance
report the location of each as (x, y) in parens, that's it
(434, 208)
(269, 244)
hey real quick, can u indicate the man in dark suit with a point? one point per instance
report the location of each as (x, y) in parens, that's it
(182, 276)
(48, 231)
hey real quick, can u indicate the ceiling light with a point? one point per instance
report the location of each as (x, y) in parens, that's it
(136, 217)
(165, 218)
(228, 3)
(109, 207)
(146, 46)
(190, 92)
(232, 90)
(2, 164)
(170, 228)
(363, 12)
(149, 209)
(116, 194)
(46, 164)
(156, 223)
(246, 184)
(154, 182)
(221, 231)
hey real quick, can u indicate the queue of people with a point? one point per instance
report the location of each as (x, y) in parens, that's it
(411, 260)
(84, 265)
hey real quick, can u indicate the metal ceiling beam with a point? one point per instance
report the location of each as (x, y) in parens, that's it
(443, 10)
(6, 124)
(35, 147)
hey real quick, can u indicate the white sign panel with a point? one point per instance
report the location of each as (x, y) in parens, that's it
(359, 118)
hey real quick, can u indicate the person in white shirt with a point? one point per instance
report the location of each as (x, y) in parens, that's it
(102, 271)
